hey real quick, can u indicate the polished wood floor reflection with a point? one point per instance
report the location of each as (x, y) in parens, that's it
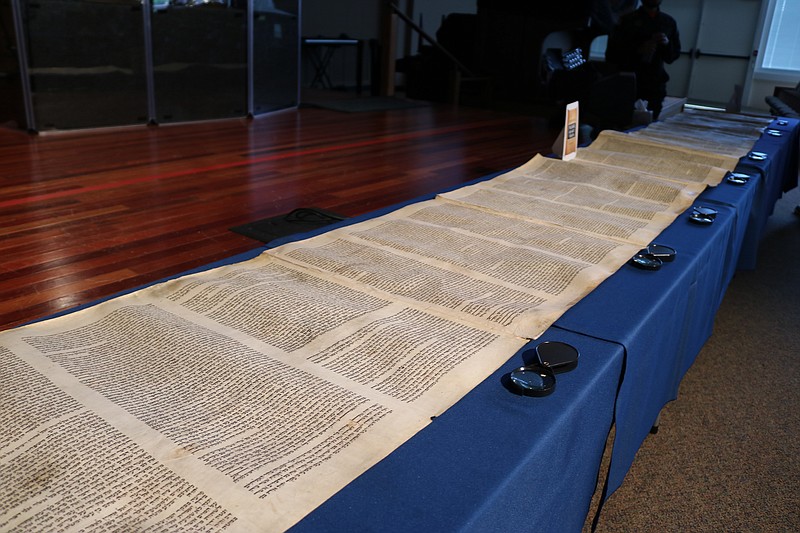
(84, 215)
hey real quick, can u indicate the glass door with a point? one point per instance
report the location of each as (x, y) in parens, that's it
(275, 54)
(86, 62)
(97, 63)
(199, 59)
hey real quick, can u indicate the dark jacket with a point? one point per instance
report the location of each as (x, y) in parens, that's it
(631, 33)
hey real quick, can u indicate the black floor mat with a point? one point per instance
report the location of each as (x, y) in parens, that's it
(297, 221)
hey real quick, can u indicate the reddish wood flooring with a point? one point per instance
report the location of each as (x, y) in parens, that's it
(84, 215)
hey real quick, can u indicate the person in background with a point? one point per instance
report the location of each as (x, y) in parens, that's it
(642, 43)
(605, 14)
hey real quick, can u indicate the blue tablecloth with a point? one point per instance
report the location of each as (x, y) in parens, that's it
(497, 461)
(662, 318)
(748, 226)
(659, 319)
(778, 174)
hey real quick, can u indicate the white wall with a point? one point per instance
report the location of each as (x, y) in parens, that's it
(433, 11)
(361, 19)
(357, 18)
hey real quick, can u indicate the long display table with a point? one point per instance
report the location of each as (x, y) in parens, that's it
(497, 460)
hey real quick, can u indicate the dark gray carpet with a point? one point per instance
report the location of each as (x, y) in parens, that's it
(727, 454)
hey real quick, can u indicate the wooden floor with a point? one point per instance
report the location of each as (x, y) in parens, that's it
(84, 215)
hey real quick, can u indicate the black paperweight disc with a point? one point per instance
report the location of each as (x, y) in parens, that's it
(737, 178)
(700, 219)
(645, 261)
(665, 253)
(557, 355)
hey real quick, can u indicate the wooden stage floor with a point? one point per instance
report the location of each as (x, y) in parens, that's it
(84, 215)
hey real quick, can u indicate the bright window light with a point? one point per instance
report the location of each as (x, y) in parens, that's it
(781, 45)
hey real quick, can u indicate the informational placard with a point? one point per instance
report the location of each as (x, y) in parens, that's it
(570, 148)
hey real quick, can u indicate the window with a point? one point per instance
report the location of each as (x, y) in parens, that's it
(780, 41)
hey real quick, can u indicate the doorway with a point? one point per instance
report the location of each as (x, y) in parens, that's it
(717, 48)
